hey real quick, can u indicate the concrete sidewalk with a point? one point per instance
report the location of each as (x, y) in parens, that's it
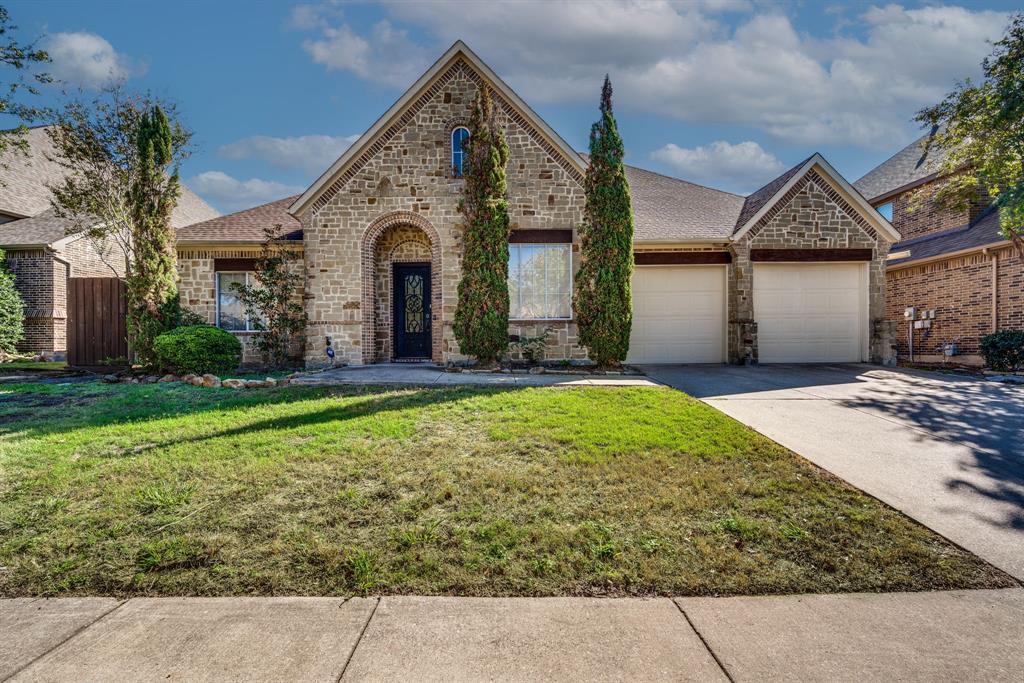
(420, 374)
(963, 635)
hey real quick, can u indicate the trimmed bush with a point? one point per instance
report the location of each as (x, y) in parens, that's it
(11, 310)
(1004, 350)
(197, 349)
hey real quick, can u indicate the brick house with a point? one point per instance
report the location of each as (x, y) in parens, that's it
(953, 262)
(42, 253)
(795, 272)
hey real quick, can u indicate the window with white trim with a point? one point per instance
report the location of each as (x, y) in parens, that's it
(540, 281)
(230, 309)
(885, 210)
(459, 137)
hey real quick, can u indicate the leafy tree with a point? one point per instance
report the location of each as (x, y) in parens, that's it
(980, 128)
(18, 57)
(12, 310)
(603, 300)
(481, 316)
(120, 188)
(274, 303)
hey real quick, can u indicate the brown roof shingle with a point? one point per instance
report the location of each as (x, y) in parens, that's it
(245, 226)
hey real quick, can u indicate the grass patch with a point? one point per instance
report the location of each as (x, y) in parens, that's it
(169, 489)
(47, 365)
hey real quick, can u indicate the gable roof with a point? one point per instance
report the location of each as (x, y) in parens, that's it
(910, 166)
(982, 232)
(762, 201)
(391, 122)
(25, 177)
(244, 226)
(667, 209)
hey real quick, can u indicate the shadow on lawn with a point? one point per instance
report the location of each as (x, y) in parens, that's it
(38, 414)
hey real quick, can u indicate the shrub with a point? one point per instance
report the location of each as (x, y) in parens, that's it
(197, 349)
(11, 310)
(533, 348)
(1004, 350)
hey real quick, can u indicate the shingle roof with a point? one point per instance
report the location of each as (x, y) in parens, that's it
(25, 177)
(757, 199)
(907, 166)
(981, 233)
(667, 208)
(245, 226)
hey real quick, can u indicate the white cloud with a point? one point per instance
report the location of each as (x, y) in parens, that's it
(387, 56)
(87, 60)
(231, 194)
(741, 167)
(859, 86)
(310, 153)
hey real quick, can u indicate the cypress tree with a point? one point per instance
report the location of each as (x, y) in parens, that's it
(481, 316)
(12, 310)
(151, 283)
(603, 301)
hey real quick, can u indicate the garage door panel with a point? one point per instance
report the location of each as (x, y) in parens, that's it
(809, 313)
(678, 315)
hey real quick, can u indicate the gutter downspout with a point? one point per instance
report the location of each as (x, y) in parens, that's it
(995, 287)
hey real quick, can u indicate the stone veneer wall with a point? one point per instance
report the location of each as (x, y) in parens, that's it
(407, 172)
(399, 244)
(197, 287)
(960, 291)
(812, 215)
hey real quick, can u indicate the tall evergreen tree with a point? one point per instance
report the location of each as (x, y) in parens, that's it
(481, 317)
(603, 299)
(12, 310)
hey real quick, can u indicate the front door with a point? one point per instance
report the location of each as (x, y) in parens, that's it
(411, 310)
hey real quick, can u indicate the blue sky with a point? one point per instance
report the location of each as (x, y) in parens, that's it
(726, 93)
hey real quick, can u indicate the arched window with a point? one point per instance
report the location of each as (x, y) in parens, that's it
(459, 137)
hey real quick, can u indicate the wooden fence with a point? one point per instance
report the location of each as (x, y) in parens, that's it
(96, 322)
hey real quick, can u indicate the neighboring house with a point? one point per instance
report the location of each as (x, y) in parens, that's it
(953, 262)
(793, 273)
(41, 253)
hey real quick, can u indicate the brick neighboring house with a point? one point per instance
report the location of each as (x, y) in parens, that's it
(955, 262)
(41, 253)
(792, 273)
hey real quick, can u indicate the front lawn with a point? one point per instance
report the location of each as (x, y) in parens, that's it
(170, 489)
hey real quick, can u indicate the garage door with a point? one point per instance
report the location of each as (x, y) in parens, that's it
(811, 313)
(678, 315)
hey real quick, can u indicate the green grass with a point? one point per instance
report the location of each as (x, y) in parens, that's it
(33, 365)
(170, 489)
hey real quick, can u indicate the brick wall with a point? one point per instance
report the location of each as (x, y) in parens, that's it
(408, 173)
(915, 212)
(960, 291)
(92, 258)
(812, 215)
(41, 279)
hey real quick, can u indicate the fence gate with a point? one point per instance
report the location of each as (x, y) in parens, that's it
(96, 321)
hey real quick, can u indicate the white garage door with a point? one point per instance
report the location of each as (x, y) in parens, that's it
(811, 313)
(678, 315)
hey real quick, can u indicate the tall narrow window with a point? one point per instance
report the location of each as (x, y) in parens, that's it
(459, 137)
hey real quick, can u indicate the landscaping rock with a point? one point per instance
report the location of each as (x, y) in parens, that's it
(169, 378)
(111, 379)
(150, 379)
(537, 370)
(234, 384)
(211, 381)
(196, 381)
(188, 378)
(284, 382)
(253, 383)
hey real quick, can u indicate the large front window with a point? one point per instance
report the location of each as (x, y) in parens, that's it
(540, 281)
(230, 309)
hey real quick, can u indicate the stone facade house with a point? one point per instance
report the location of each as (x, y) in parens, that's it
(792, 273)
(955, 263)
(43, 252)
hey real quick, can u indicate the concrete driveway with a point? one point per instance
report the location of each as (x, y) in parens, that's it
(944, 449)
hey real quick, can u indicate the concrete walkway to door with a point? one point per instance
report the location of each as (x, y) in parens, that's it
(947, 450)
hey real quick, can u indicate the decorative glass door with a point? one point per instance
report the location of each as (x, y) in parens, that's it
(411, 314)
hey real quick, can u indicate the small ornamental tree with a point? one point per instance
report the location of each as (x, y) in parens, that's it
(121, 155)
(980, 128)
(12, 310)
(274, 302)
(603, 301)
(481, 316)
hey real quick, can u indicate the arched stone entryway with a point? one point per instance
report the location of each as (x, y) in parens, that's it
(398, 237)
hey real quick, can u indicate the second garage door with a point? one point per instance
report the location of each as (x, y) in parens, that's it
(678, 315)
(811, 313)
